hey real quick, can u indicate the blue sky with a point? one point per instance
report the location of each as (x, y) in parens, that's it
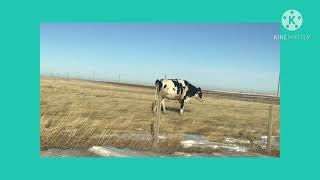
(223, 56)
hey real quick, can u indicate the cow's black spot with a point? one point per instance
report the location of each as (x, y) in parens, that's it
(181, 105)
(200, 92)
(164, 86)
(184, 97)
(177, 85)
(186, 82)
(158, 85)
(192, 90)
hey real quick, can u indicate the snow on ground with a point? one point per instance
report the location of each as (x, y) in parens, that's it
(232, 148)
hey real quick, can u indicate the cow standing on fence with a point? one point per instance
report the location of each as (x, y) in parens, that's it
(176, 89)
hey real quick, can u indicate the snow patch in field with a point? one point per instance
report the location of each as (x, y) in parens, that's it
(188, 143)
(214, 146)
(100, 151)
(230, 144)
(162, 137)
(234, 140)
(264, 137)
(235, 148)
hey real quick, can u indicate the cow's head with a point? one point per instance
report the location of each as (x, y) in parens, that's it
(199, 95)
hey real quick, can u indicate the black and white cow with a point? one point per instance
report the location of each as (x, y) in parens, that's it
(176, 89)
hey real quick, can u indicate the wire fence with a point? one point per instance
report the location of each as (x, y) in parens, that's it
(82, 94)
(213, 106)
(104, 77)
(134, 79)
(156, 122)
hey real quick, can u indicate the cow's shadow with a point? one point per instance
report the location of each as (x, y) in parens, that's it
(176, 109)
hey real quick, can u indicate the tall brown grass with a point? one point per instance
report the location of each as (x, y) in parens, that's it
(81, 114)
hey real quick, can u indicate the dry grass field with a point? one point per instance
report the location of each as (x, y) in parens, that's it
(78, 114)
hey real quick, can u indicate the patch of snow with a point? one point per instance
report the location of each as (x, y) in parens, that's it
(182, 154)
(217, 154)
(235, 148)
(100, 151)
(201, 141)
(264, 137)
(233, 140)
(214, 146)
(188, 143)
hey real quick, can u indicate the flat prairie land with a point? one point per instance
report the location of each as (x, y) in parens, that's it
(78, 113)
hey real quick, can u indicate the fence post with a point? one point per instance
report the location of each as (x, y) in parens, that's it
(269, 145)
(156, 124)
(278, 86)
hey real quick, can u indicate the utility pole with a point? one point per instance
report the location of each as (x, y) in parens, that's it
(92, 76)
(269, 137)
(119, 78)
(278, 86)
(165, 76)
(270, 119)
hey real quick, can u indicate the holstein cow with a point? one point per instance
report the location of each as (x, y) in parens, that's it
(176, 89)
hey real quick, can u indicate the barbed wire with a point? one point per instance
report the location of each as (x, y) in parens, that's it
(185, 115)
(216, 105)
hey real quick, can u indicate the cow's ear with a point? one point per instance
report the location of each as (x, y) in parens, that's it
(199, 89)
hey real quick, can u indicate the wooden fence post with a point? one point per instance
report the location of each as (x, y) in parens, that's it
(269, 145)
(156, 125)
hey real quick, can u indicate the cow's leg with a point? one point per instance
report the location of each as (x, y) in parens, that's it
(163, 106)
(181, 107)
(183, 102)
